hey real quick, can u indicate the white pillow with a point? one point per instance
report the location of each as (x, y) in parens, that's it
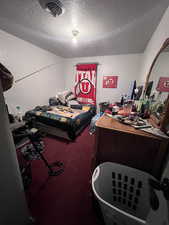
(62, 96)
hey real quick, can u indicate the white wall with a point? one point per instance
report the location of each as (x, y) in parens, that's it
(154, 45)
(127, 67)
(23, 58)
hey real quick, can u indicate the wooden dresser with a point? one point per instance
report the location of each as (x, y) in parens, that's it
(116, 142)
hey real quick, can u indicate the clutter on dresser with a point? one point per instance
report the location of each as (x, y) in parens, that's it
(155, 131)
(136, 113)
(134, 121)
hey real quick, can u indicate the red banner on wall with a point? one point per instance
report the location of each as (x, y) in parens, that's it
(85, 83)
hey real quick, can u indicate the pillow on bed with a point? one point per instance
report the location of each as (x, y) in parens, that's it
(63, 96)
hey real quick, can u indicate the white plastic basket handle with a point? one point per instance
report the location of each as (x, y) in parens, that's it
(96, 174)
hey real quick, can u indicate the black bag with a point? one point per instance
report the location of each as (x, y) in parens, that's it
(6, 78)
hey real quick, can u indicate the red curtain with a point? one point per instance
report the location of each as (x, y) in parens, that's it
(85, 83)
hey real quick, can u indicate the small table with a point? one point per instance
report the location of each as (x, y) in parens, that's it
(120, 143)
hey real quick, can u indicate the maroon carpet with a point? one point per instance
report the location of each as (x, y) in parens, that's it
(65, 199)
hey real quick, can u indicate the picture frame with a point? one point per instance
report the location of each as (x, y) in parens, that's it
(110, 81)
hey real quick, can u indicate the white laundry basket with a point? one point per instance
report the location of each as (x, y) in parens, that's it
(123, 194)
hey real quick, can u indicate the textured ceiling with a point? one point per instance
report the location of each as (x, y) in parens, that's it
(106, 27)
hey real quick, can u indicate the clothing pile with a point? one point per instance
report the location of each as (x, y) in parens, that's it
(29, 153)
(66, 98)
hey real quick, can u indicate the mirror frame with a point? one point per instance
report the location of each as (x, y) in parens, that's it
(165, 120)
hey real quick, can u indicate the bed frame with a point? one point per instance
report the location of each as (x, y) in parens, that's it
(57, 132)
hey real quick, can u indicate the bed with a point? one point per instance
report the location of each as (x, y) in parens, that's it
(61, 121)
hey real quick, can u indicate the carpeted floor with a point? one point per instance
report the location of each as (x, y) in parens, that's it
(65, 199)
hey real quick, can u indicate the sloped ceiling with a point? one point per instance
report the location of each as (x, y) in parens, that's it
(106, 27)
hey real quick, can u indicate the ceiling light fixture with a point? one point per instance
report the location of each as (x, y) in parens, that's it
(75, 34)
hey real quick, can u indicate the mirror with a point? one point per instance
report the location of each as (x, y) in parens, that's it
(157, 88)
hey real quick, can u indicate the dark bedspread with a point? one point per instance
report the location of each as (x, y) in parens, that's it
(70, 125)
